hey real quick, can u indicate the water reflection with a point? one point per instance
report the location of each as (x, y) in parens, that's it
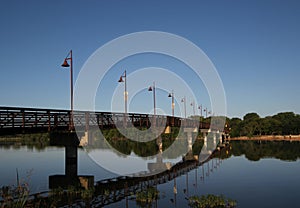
(129, 157)
(256, 150)
(106, 191)
(228, 172)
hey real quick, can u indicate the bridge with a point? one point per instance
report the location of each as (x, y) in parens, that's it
(14, 120)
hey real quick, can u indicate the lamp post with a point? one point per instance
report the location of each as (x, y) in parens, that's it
(173, 103)
(66, 64)
(193, 105)
(200, 110)
(183, 100)
(152, 89)
(206, 112)
(125, 89)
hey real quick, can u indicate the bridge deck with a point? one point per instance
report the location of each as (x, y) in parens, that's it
(29, 120)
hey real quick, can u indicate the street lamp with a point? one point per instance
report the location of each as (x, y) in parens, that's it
(193, 105)
(183, 100)
(173, 104)
(66, 64)
(200, 109)
(206, 112)
(152, 89)
(125, 90)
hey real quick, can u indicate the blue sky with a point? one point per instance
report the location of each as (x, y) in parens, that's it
(254, 46)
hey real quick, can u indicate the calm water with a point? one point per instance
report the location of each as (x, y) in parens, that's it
(255, 175)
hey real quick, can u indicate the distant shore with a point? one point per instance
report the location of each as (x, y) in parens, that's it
(267, 138)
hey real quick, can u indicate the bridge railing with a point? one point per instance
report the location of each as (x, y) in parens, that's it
(19, 120)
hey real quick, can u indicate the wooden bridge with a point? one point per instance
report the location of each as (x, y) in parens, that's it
(14, 120)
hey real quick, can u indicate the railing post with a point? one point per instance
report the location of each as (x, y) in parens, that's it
(140, 120)
(147, 119)
(87, 121)
(55, 120)
(49, 121)
(36, 120)
(97, 119)
(23, 119)
(13, 120)
(102, 119)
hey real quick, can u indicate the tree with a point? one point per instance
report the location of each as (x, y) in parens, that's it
(250, 125)
(235, 127)
(285, 123)
(288, 122)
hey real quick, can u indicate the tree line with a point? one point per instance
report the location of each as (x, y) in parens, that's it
(286, 123)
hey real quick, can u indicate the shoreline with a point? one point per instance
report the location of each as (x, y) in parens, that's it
(267, 138)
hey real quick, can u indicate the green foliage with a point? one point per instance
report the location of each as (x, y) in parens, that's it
(147, 197)
(211, 201)
(255, 150)
(280, 124)
(15, 196)
(39, 140)
(197, 146)
(235, 126)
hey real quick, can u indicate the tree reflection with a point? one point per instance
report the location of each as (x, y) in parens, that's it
(256, 150)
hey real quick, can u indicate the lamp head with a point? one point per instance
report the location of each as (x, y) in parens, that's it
(150, 89)
(169, 95)
(121, 79)
(65, 64)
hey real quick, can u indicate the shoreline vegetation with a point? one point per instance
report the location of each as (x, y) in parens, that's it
(282, 126)
(267, 138)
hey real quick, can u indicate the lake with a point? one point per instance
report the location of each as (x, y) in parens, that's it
(255, 174)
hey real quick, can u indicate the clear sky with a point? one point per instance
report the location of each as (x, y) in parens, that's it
(254, 45)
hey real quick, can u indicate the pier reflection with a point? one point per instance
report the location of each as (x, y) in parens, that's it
(71, 177)
(160, 169)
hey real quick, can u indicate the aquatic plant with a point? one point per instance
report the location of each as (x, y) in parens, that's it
(146, 197)
(15, 196)
(211, 201)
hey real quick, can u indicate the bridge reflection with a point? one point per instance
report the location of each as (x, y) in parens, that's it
(111, 190)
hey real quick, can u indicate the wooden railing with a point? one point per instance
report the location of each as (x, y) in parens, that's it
(27, 120)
